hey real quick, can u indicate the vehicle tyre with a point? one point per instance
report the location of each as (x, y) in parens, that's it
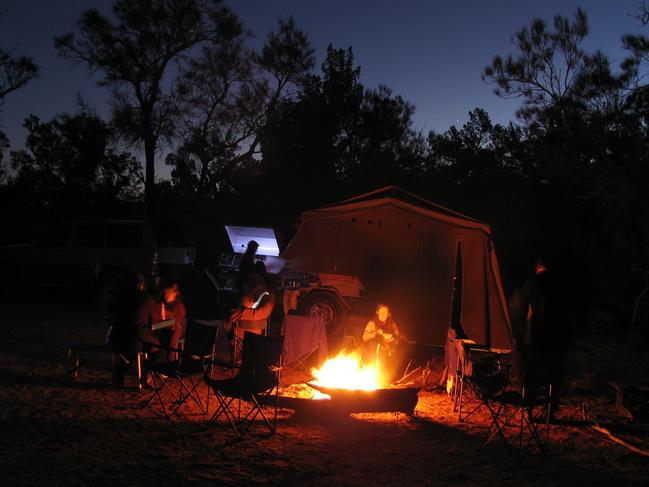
(330, 309)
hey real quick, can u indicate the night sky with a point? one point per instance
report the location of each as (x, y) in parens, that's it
(431, 52)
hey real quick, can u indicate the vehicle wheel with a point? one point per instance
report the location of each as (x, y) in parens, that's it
(330, 309)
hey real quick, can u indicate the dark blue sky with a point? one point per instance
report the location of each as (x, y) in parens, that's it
(431, 52)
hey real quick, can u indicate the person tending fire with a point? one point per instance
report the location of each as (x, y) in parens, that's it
(380, 338)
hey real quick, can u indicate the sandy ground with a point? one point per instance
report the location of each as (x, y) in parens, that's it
(55, 431)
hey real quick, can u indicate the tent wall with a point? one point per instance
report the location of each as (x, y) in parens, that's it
(406, 258)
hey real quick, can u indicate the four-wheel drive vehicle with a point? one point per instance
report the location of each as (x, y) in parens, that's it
(328, 295)
(96, 254)
(332, 297)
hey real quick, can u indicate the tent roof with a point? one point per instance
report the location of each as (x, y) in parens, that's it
(400, 198)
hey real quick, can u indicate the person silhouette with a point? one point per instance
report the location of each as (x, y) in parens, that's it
(247, 264)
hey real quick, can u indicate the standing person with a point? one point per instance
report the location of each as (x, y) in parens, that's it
(526, 311)
(247, 265)
(174, 309)
(134, 315)
(544, 337)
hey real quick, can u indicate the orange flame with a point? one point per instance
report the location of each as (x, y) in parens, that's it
(346, 371)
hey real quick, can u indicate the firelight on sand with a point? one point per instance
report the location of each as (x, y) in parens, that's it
(346, 371)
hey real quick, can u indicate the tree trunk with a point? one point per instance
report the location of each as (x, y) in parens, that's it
(149, 176)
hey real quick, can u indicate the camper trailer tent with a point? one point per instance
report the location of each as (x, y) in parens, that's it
(433, 266)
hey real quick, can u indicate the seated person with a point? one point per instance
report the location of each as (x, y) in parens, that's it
(381, 329)
(173, 308)
(249, 317)
(133, 316)
(258, 280)
(380, 339)
(247, 264)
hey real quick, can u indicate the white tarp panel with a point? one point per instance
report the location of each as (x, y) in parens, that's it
(265, 237)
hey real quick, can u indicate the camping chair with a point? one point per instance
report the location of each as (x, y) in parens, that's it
(260, 327)
(196, 358)
(255, 318)
(258, 377)
(517, 418)
(77, 353)
(480, 374)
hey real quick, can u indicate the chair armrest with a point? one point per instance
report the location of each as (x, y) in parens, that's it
(224, 364)
(161, 347)
(163, 324)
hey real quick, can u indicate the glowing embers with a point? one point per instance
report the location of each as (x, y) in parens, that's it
(346, 371)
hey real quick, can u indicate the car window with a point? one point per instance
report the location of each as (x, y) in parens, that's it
(89, 235)
(124, 236)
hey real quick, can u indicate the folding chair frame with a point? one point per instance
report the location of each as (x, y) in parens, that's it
(187, 389)
(523, 416)
(464, 381)
(188, 381)
(248, 419)
(244, 393)
(300, 363)
(237, 343)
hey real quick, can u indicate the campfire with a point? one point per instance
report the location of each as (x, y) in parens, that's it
(345, 384)
(355, 387)
(347, 371)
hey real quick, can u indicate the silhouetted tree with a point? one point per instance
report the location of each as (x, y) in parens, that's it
(584, 143)
(461, 152)
(547, 66)
(134, 54)
(388, 149)
(229, 93)
(4, 145)
(15, 72)
(71, 160)
(308, 139)
(635, 67)
(338, 137)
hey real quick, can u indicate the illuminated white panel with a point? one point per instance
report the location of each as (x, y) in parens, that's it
(265, 237)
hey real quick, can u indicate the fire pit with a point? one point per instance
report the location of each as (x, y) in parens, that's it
(343, 384)
(397, 399)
